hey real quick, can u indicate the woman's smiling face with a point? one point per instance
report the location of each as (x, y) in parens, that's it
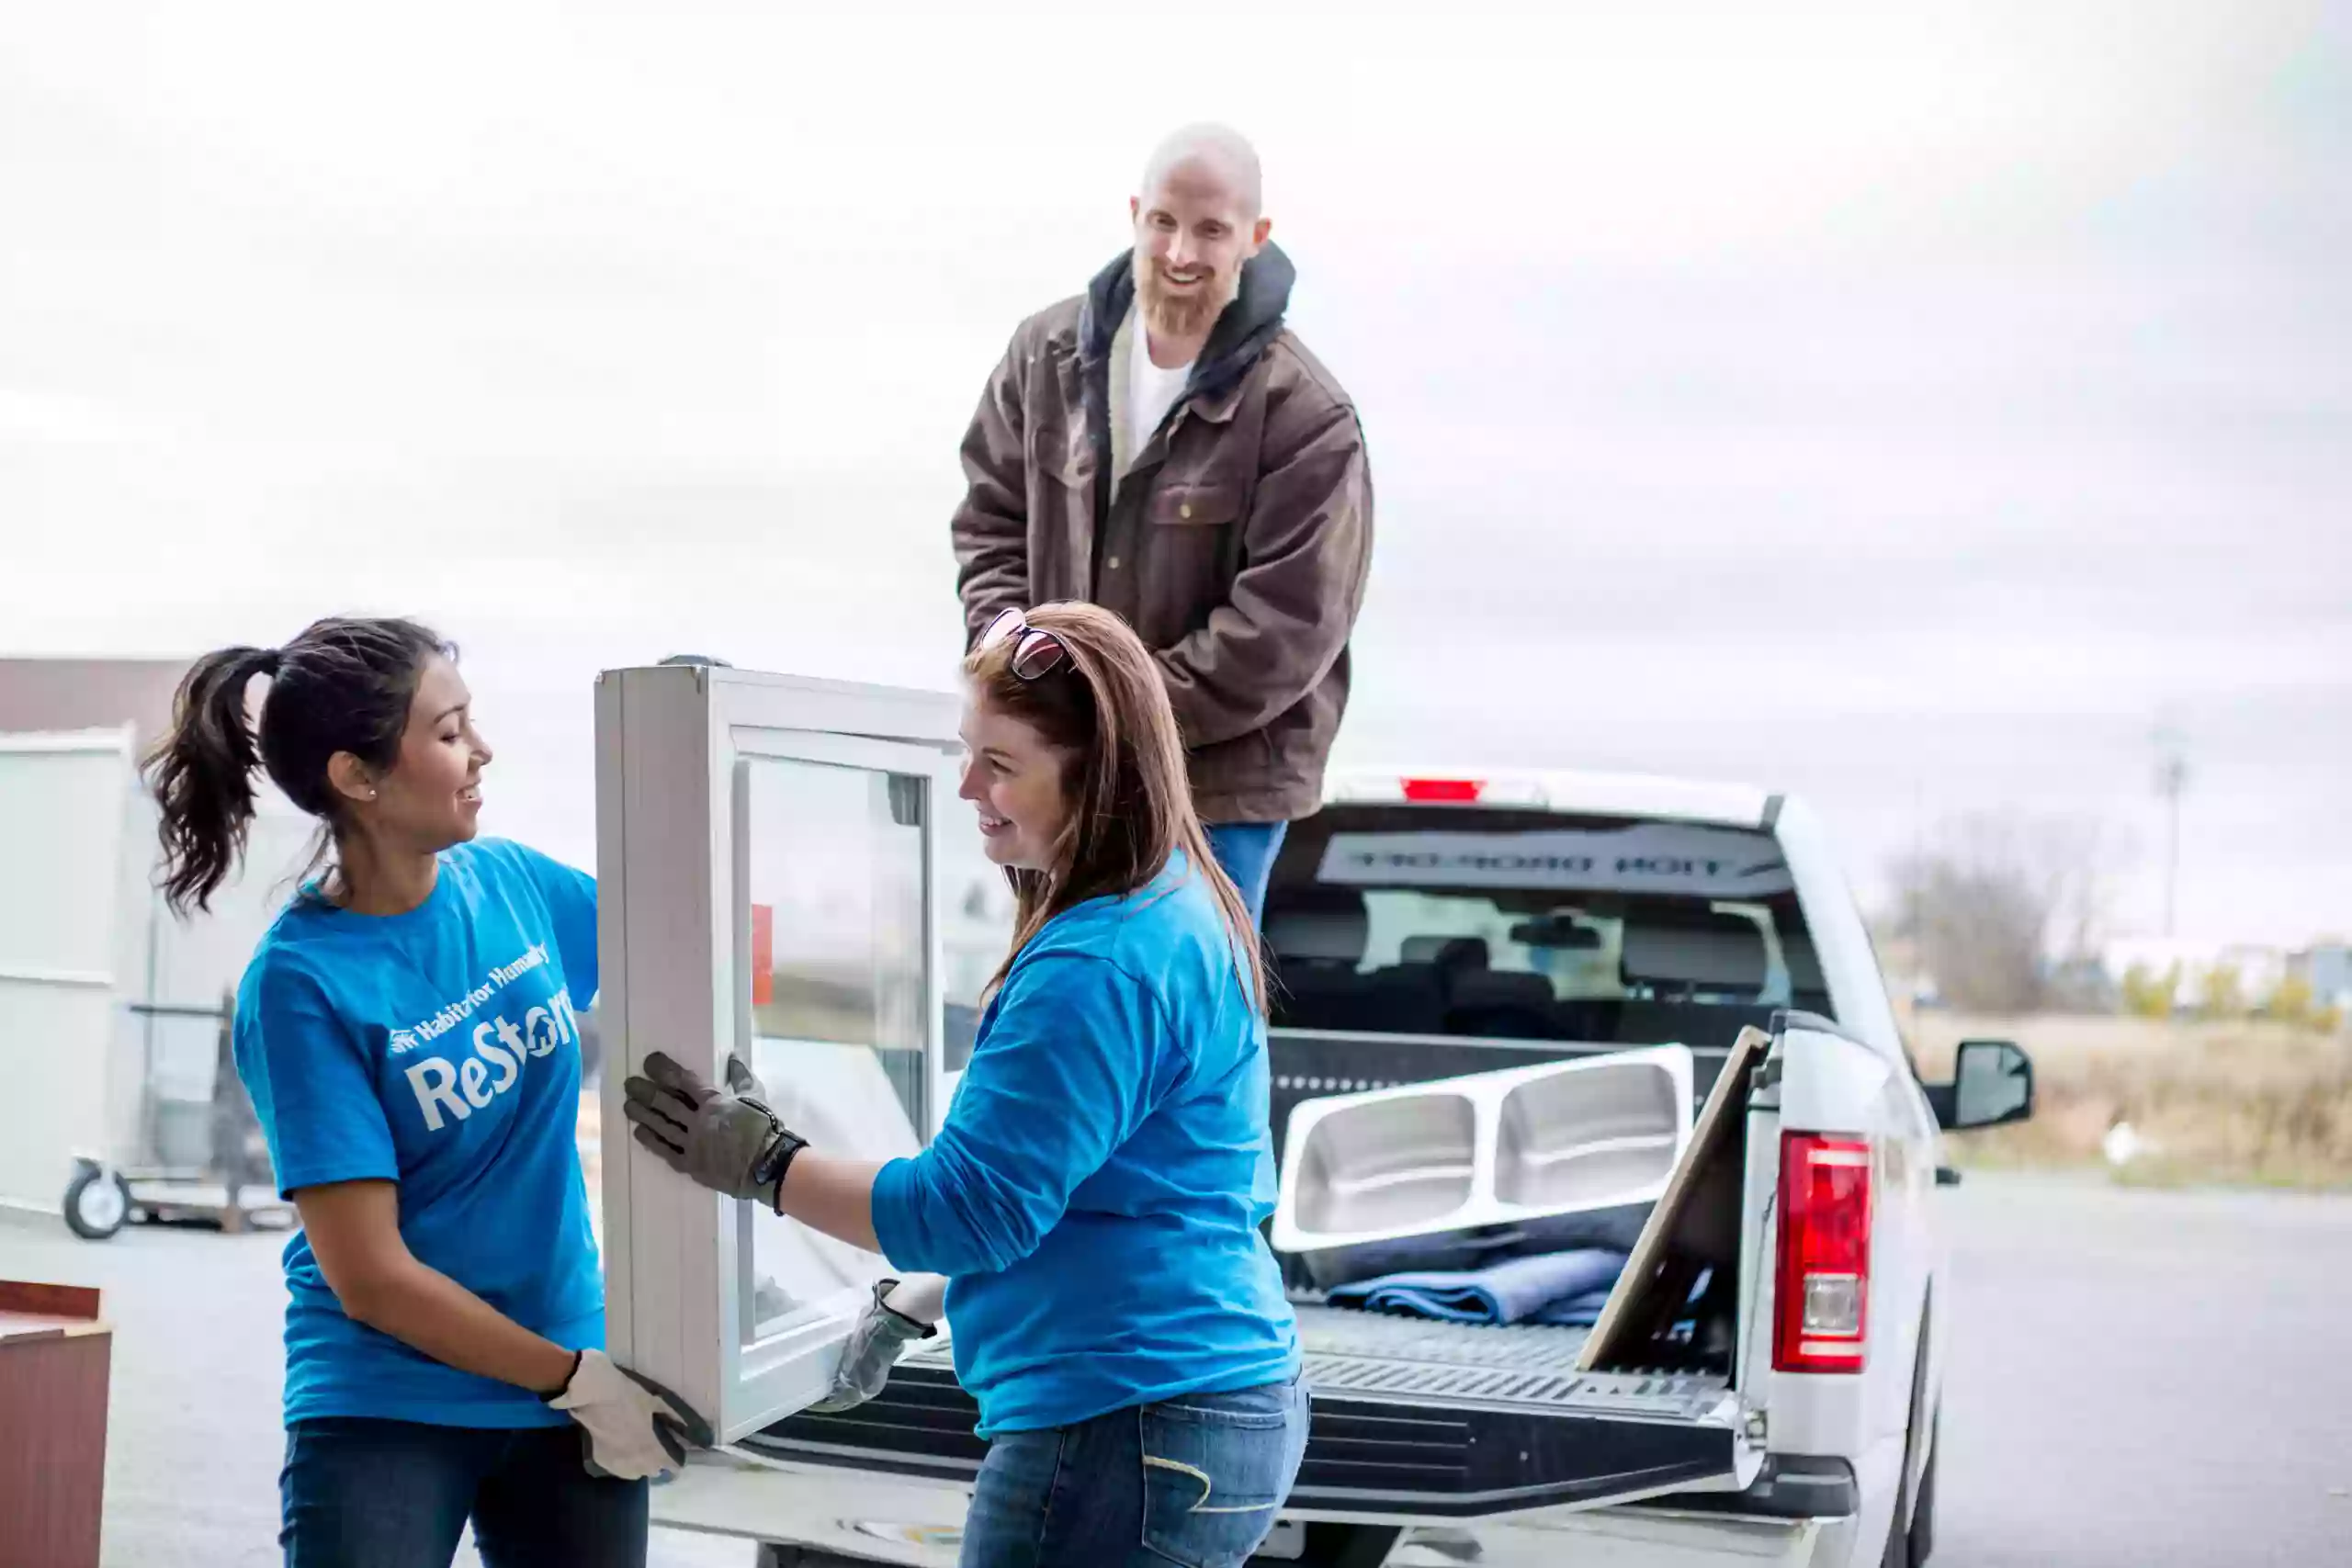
(1016, 780)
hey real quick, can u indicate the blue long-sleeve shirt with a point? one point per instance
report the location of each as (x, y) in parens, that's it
(1096, 1193)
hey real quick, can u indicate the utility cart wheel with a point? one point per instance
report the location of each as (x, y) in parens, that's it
(98, 1202)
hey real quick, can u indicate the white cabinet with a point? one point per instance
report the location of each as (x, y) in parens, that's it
(63, 800)
(773, 885)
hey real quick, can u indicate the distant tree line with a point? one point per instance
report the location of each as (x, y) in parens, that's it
(1988, 904)
(2006, 912)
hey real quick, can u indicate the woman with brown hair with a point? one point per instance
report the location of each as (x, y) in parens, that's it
(408, 1030)
(1095, 1196)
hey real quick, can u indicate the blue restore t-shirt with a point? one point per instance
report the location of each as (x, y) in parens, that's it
(1096, 1192)
(438, 1049)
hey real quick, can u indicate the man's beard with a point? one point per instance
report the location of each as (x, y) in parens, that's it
(1187, 314)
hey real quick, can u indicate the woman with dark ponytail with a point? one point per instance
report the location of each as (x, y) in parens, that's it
(407, 1030)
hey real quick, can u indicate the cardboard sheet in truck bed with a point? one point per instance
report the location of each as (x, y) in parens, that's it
(1634, 1310)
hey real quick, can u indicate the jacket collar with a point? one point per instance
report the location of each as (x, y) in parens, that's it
(1251, 321)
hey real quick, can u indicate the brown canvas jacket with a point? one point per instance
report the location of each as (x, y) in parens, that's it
(1236, 543)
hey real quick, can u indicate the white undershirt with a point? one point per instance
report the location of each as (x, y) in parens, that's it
(1151, 391)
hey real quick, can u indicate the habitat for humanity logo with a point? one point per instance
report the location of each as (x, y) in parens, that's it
(501, 1048)
(457, 1012)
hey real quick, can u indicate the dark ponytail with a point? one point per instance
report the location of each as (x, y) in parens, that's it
(343, 685)
(202, 774)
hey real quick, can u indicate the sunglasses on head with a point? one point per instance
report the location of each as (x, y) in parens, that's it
(1033, 654)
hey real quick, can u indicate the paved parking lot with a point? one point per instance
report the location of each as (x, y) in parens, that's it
(193, 1439)
(2147, 1378)
(2140, 1380)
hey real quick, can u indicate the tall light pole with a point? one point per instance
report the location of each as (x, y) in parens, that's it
(1918, 890)
(2172, 781)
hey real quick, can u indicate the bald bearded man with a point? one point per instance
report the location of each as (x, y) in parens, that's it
(1163, 446)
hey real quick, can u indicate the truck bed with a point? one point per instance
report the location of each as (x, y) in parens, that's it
(1411, 1418)
(1373, 1355)
(1436, 1419)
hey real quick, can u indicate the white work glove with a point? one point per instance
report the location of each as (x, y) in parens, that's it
(897, 1317)
(632, 1427)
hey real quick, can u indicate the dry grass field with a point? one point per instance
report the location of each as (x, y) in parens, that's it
(2238, 1101)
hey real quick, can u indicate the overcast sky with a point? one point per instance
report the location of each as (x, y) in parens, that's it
(1902, 405)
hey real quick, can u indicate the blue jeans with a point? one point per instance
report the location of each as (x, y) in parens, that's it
(1196, 1481)
(368, 1493)
(1247, 850)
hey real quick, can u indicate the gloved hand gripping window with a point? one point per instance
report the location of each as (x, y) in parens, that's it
(726, 1140)
(632, 1427)
(902, 1312)
(729, 1141)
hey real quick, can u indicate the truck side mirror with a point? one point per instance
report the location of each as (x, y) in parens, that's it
(1992, 1085)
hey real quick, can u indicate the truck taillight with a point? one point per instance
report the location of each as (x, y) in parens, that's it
(1461, 791)
(1822, 1292)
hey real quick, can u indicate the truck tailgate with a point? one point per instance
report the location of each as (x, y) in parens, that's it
(1411, 1417)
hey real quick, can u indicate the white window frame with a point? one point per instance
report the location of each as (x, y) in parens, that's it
(673, 927)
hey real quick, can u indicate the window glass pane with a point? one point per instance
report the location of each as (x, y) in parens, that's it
(977, 931)
(837, 972)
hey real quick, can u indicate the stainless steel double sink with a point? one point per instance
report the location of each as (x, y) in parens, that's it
(1442, 1174)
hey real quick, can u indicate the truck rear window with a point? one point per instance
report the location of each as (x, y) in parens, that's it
(1528, 925)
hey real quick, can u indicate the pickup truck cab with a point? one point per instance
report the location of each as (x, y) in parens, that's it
(1421, 928)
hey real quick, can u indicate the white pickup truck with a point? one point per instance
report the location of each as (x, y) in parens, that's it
(1425, 928)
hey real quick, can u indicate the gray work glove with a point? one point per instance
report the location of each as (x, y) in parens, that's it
(725, 1139)
(872, 1350)
(631, 1426)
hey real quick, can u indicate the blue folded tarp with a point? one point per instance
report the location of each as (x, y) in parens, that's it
(1584, 1311)
(1519, 1290)
(1574, 1312)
